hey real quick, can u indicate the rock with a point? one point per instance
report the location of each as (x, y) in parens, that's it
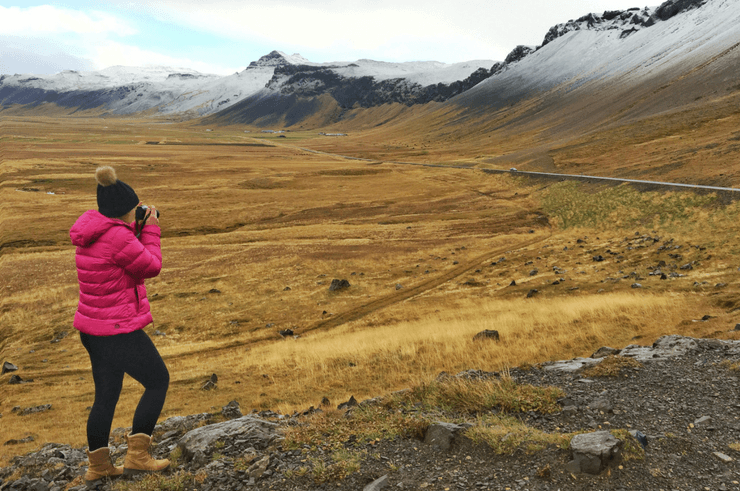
(58, 337)
(513, 283)
(487, 334)
(231, 410)
(640, 437)
(398, 286)
(346, 405)
(211, 383)
(570, 411)
(337, 285)
(723, 457)
(687, 266)
(533, 272)
(598, 259)
(214, 290)
(702, 420)
(601, 404)
(159, 333)
(636, 285)
(27, 439)
(377, 484)
(258, 468)
(35, 409)
(325, 401)
(737, 327)
(532, 293)
(252, 431)
(15, 380)
(706, 317)
(8, 367)
(442, 435)
(605, 351)
(286, 332)
(593, 452)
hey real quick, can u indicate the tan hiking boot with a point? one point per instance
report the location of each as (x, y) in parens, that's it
(138, 459)
(101, 466)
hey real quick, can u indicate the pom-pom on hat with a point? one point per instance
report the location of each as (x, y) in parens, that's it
(115, 197)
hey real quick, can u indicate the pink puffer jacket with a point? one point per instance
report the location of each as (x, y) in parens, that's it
(111, 267)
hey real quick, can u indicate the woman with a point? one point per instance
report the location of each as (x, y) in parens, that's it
(115, 254)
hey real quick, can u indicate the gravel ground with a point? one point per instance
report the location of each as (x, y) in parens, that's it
(683, 398)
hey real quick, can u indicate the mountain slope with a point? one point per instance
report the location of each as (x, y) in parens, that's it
(175, 91)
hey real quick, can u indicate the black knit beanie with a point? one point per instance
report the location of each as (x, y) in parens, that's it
(115, 198)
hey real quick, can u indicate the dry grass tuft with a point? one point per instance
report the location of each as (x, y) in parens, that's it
(612, 366)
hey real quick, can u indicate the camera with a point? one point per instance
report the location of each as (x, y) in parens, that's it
(141, 212)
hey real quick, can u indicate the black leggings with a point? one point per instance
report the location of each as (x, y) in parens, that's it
(112, 357)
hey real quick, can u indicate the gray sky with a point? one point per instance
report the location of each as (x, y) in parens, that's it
(224, 36)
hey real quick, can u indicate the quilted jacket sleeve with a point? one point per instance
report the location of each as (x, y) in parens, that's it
(141, 258)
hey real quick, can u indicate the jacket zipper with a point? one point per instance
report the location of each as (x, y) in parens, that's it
(136, 293)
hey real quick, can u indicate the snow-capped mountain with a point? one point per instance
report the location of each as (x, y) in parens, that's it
(600, 68)
(126, 90)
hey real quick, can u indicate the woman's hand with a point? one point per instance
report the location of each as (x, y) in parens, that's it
(151, 216)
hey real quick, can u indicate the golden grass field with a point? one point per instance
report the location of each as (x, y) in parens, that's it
(255, 227)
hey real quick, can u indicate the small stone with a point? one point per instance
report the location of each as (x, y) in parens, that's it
(636, 285)
(532, 293)
(723, 457)
(703, 419)
(346, 405)
(377, 484)
(399, 286)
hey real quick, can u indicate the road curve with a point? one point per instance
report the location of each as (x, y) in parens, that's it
(612, 179)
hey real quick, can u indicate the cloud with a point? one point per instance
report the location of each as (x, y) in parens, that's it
(47, 19)
(382, 29)
(113, 53)
(37, 56)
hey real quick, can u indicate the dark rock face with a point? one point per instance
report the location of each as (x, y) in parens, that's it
(673, 7)
(311, 81)
(519, 53)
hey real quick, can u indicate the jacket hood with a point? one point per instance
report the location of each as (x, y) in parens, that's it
(90, 226)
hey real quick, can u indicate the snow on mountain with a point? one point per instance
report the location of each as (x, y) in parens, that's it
(126, 90)
(622, 59)
(419, 72)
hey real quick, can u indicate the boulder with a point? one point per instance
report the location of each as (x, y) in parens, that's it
(231, 410)
(35, 409)
(442, 435)
(487, 334)
(251, 431)
(594, 452)
(346, 405)
(605, 351)
(337, 285)
(8, 367)
(210, 383)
